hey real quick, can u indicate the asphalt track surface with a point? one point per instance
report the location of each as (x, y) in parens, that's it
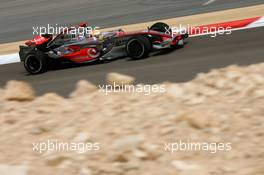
(19, 16)
(199, 55)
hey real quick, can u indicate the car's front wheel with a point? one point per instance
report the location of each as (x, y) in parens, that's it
(138, 47)
(35, 62)
(161, 27)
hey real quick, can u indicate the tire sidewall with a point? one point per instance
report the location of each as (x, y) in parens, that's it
(40, 57)
(161, 27)
(138, 42)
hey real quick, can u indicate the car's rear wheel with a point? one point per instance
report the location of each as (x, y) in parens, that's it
(161, 27)
(138, 47)
(35, 62)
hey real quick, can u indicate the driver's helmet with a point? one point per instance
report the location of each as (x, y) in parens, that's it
(93, 32)
(83, 24)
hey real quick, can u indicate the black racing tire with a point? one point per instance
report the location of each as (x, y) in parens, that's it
(138, 47)
(36, 62)
(161, 27)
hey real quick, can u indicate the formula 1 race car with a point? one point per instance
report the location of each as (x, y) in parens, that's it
(47, 50)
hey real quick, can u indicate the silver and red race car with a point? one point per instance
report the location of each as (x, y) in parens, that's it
(47, 50)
